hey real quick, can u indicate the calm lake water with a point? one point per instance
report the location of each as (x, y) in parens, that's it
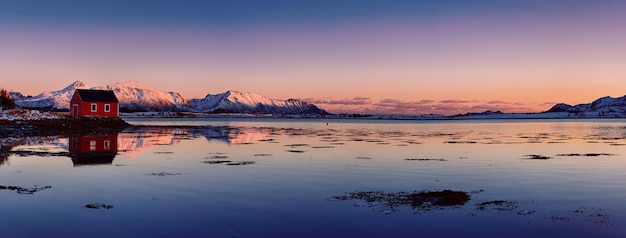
(320, 178)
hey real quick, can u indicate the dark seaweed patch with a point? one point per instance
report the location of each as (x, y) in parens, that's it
(594, 215)
(418, 200)
(323, 147)
(296, 151)
(217, 161)
(362, 157)
(414, 159)
(22, 190)
(297, 145)
(498, 205)
(242, 163)
(164, 152)
(537, 157)
(586, 155)
(412, 142)
(262, 154)
(459, 142)
(163, 174)
(218, 157)
(98, 206)
(25, 153)
(559, 218)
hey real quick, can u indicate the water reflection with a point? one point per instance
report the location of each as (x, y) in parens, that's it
(93, 149)
(83, 149)
(140, 138)
(134, 140)
(27, 146)
(388, 180)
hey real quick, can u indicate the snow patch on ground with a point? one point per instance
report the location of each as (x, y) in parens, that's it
(24, 114)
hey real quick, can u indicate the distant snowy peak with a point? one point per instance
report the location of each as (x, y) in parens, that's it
(49, 99)
(238, 102)
(603, 107)
(75, 85)
(134, 96)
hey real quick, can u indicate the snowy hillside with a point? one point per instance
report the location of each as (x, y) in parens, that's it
(49, 99)
(602, 107)
(134, 96)
(234, 101)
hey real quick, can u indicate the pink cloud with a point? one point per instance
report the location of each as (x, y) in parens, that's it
(456, 101)
(548, 104)
(365, 105)
(498, 102)
(345, 101)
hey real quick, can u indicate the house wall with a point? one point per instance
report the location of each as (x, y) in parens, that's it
(75, 100)
(85, 109)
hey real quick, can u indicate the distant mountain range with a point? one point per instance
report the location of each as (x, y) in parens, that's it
(134, 96)
(605, 107)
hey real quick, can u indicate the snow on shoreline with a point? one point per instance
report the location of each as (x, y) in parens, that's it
(24, 114)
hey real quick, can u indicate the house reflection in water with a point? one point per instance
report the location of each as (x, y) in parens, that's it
(93, 149)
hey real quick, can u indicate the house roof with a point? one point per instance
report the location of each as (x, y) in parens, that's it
(90, 95)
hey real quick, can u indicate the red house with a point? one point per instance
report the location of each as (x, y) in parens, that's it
(87, 102)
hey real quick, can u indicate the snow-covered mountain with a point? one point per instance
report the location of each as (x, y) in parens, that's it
(134, 96)
(601, 107)
(234, 101)
(49, 99)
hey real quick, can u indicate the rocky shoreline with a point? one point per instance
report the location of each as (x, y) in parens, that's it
(62, 126)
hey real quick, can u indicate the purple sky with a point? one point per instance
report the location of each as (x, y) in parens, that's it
(412, 57)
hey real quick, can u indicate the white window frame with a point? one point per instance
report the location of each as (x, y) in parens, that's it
(107, 144)
(107, 107)
(94, 107)
(92, 145)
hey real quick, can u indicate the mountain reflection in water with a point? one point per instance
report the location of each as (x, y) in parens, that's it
(101, 149)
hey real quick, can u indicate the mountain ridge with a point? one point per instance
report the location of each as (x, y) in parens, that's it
(134, 96)
(601, 106)
(235, 101)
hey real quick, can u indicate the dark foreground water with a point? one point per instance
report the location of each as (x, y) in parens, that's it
(307, 178)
